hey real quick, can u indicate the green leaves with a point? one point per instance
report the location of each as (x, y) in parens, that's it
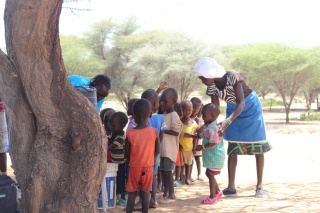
(78, 58)
(283, 68)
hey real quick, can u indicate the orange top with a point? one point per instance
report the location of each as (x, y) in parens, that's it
(142, 146)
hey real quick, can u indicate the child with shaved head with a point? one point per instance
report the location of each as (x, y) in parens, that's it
(213, 153)
(187, 144)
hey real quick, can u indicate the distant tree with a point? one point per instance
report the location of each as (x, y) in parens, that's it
(100, 36)
(171, 56)
(116, 44)
(312, 88)
(284, 67)
(78, 58)
(252, 77)
(138, 60)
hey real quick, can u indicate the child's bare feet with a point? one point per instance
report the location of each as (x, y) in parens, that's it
(137, 206)
(200, 178)
(168, 199)
(153, 204)
(188, 182)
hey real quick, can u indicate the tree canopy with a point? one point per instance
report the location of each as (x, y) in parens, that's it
(284, 67)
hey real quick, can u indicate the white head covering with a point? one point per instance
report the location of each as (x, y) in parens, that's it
(209, 68)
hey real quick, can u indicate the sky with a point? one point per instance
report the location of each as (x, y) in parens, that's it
(224, 22)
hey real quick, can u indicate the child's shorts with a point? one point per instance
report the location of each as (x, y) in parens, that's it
(140, 178)
(156, 165)
(178, 161)
(186, 157)
(166, 164)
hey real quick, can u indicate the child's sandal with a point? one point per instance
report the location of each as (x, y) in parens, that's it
(209, 200)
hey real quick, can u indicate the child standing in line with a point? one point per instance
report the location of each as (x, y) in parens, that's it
(156, 121)
(197, 105)
(142, 145)
(130, 113)
(170, 142)
(107, 128)
(178, 174)
(187, 144)
(213, 153)
(117, 123)
(177, 108)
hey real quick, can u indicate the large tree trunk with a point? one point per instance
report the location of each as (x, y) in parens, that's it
(58, 147)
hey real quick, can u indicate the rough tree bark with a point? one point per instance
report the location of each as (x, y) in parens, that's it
(58, 148)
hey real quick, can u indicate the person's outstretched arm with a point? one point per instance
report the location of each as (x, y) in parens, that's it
(157, 145)
(171, 132)
(127, 150)
(215, 100)
(162, 86)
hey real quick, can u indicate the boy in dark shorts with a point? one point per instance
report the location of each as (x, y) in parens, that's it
(170, 142)
(142, 145)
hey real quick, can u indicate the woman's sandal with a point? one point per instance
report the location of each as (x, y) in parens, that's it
(209, 200)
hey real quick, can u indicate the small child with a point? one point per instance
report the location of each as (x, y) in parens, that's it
(156, 121)
(187, 144)
(103, 112)
(129, 112)
(117, 123)
(107, 128)
(170, 142)
(177, 108)
(213, 153)
(142, 145)
(196, 115)
(178, 174)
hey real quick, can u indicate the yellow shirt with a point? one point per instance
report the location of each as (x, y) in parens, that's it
(187, 143)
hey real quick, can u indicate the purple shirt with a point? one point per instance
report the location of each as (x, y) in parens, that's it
(130, 123)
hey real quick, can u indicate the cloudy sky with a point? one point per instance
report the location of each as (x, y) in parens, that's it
(217, 21)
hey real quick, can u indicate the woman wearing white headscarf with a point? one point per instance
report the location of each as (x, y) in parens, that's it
(244, 126)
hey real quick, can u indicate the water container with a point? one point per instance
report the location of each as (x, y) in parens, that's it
(108, 196)
(90, 93)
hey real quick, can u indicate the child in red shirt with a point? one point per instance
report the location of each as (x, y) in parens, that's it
(142, 145)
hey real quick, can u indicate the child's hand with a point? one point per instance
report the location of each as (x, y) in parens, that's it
(194, 151)
(223, 125)
(212, 146)
(163, 85)
(201, 129)
(198, 148)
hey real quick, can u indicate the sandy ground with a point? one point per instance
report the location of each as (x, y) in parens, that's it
(291, 175)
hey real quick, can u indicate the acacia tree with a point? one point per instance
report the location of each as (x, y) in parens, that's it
(116, 44)
(170, 56)
(284, 67)
(312, 88)
(252, 77)
(77, 57)
(57, 142)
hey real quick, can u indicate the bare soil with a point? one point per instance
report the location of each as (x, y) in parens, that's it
(291, 174)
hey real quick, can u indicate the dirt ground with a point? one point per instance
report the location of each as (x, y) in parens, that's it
(291, 174)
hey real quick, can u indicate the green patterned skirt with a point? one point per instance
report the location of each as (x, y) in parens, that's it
(248, 148)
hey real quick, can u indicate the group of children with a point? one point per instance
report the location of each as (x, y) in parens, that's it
(162, 136)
